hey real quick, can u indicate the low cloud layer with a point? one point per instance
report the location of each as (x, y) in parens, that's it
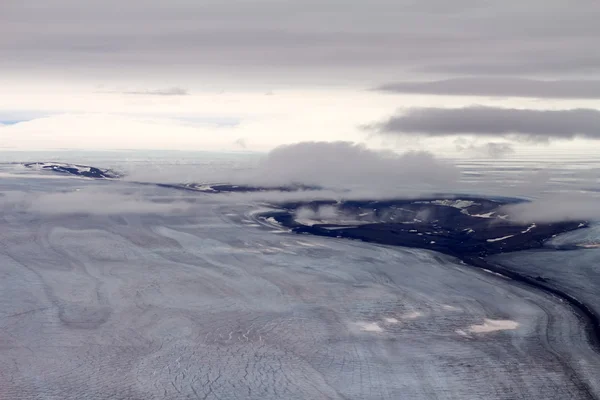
(334, 164)
(330, 165)
(526, 124)
(89, 201)
(489, 149)
(501, 87)
(565, 207)
(327, 213)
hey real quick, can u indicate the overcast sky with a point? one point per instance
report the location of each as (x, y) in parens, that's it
(254, 74)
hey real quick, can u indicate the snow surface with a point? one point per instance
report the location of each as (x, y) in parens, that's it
(200, 305)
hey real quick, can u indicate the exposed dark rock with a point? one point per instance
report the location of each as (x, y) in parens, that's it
(74, 169)
(466, 226)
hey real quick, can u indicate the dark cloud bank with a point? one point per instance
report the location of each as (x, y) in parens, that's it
(504, 87)
(536, 37)
(533, 125)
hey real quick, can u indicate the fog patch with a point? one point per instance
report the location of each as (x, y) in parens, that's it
(369, 327)
(327, 214)
(321, 213)
(489, 149)
(93, 202)
(556, 208)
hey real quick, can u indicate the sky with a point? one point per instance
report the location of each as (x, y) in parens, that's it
(472, 78)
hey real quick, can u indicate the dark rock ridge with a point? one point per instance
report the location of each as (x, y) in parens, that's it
(460, 227)
(74, 169)
(228, 188)
(93, 172)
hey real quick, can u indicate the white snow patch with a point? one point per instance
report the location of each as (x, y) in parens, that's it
(204, 188)
(273, 221)
(500, 238)
(590, 245)
(494, 273)
(306, 244)
(530, 228)
(334, 228)
(460, 204)
(369, 327)
(411, 315)
(449, 307)
(493, 325)
(48, 166)
(486, 215)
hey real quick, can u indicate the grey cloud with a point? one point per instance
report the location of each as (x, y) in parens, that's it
(497, 150)
(334, 164)
(534, 125)
(322, 213)
(505, 87)
(556, 208)
(572, 62)
(489, 149)
(337, 38)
